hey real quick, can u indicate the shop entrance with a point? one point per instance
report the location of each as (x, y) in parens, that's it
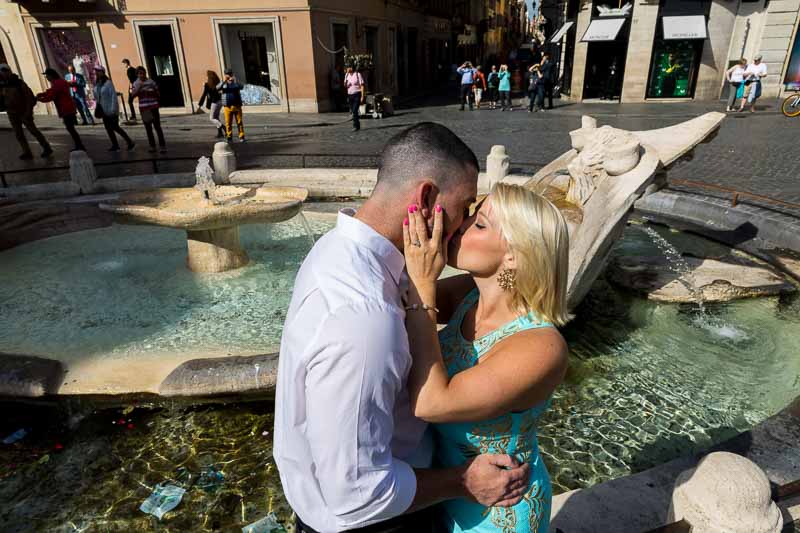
(161, 62)
(605, 66)
(251, 51)
(62, 47)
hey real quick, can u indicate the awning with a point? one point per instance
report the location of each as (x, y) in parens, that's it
(691, 27)
(561, 32)
(603, 30)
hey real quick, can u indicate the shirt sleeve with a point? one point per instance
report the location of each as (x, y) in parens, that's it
(353, 379)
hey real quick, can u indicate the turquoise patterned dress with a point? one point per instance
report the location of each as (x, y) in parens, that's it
(513, 433)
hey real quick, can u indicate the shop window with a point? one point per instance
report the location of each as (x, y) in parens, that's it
(673, 70)
(62, 47)
(251, 51)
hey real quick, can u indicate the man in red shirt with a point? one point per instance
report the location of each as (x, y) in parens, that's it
(59, 94)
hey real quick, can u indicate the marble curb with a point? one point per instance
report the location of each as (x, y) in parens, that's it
(768, 235)
(642, 502)
(222, 376)
(27, 376)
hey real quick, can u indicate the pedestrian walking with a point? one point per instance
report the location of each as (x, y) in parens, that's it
(17, 100)
(58, 93)
(231, 91)
(467, 82)
(146, 90)
(480, 86)
(735, 78)
(491, 83)
(753, 76)
(534, 82)
(504, 87)
(106, 108)
(547, 74)
(354, 83)
(130, 72)
(213, 100)
(77, 88)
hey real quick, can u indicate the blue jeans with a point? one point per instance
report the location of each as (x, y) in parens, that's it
(83, 109)
(355, 103)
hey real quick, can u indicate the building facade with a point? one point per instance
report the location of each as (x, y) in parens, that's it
(285, 51)
(669, 50)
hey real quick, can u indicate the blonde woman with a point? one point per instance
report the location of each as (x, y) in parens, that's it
(486, 378)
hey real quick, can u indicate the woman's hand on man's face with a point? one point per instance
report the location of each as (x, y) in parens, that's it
(426, 256)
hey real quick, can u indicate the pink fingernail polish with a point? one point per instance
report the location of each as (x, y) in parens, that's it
(415, 208)
(405, 221)
(438, 208)
(411, 209)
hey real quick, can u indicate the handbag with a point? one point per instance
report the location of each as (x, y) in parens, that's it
(98, 111)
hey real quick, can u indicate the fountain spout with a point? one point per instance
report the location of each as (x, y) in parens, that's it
(204, 180)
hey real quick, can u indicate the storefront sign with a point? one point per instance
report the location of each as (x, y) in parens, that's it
(606, 11)
(561, 32)
(692, 27)
(792, 79)
(603, 30)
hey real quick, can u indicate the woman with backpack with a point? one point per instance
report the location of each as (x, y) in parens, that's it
(213, 99)
(491, 87)
(107, 109)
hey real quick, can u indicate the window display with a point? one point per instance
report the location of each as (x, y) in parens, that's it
(70, 46)
(674, 68)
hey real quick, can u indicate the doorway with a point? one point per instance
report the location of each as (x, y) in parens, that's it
(251, 51)
(605, 66)
(161, 62)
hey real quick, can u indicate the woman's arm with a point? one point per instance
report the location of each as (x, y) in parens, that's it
(520, 373)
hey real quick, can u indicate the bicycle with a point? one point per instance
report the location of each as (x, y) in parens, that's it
(791, 105)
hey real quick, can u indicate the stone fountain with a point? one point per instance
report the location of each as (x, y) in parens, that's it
(210, 214)
(597, 182)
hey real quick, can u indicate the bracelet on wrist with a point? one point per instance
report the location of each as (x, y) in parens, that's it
(421, 307)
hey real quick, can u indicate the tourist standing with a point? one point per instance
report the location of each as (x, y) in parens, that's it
(546, 80)
(17, 99)
(58, 93)
(232, 105)
(354, 83)
(130, 72)
(504, 86)
(467, 81)
(491, 83)
(754, 74)
(146, 90)
(107, 109)
(735, 79)
(213, 100)
(534, 82)
(77, 88)
(480, 86)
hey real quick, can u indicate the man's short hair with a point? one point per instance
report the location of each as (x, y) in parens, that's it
(425, 151)
(126, 61)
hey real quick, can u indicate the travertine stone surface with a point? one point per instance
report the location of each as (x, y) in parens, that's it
(498, 164)
(725, 493)
(224, 159)
(215, 250)
(82, 171)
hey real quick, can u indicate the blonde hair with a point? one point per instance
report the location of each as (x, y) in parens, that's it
(538, 239)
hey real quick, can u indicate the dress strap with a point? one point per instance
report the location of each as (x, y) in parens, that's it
(522, 323)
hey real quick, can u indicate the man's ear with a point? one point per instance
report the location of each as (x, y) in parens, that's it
(425, 197)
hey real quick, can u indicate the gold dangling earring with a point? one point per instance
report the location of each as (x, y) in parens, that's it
(506, 279)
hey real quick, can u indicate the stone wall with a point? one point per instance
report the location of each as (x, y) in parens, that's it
(640, 51)
(581, 48)
(776, 41)
(721, 21)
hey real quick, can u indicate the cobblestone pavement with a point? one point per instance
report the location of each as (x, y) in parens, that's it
(753, 153)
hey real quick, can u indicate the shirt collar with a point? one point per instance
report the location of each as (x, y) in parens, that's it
(365, 236)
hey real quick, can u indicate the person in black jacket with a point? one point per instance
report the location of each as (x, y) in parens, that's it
(213, 100)
(547, 74)
(130, 71)
(231, 91)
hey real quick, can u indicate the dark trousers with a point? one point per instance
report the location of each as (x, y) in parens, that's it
(111, 124)
(355, 104)
(505, 99)
(419, 522)
(493, 95)
(83, 109)
(130, 104)
(533, 95)
(545, 89)
(466, 95)
(150, 123)
(17, 121)
(70, 121)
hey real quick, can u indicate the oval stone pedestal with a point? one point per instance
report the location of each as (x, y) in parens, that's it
(215, 250)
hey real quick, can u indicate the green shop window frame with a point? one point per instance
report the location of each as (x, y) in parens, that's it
(678, 76)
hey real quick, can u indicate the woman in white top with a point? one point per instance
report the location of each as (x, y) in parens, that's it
(754, 75)
(735, 78)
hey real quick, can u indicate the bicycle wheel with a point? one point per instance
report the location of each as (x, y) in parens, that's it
(791, 105)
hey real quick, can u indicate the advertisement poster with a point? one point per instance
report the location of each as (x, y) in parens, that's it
(792, 79)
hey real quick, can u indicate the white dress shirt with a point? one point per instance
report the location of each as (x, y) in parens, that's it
(345, 438)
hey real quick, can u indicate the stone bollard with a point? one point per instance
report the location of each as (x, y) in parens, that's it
(725, 492)
(224, 159)
(497, 164)
(82, 172)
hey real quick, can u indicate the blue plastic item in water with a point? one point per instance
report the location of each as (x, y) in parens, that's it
(210, 479)
(164, 498)
(14, 437)
(268, 524)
